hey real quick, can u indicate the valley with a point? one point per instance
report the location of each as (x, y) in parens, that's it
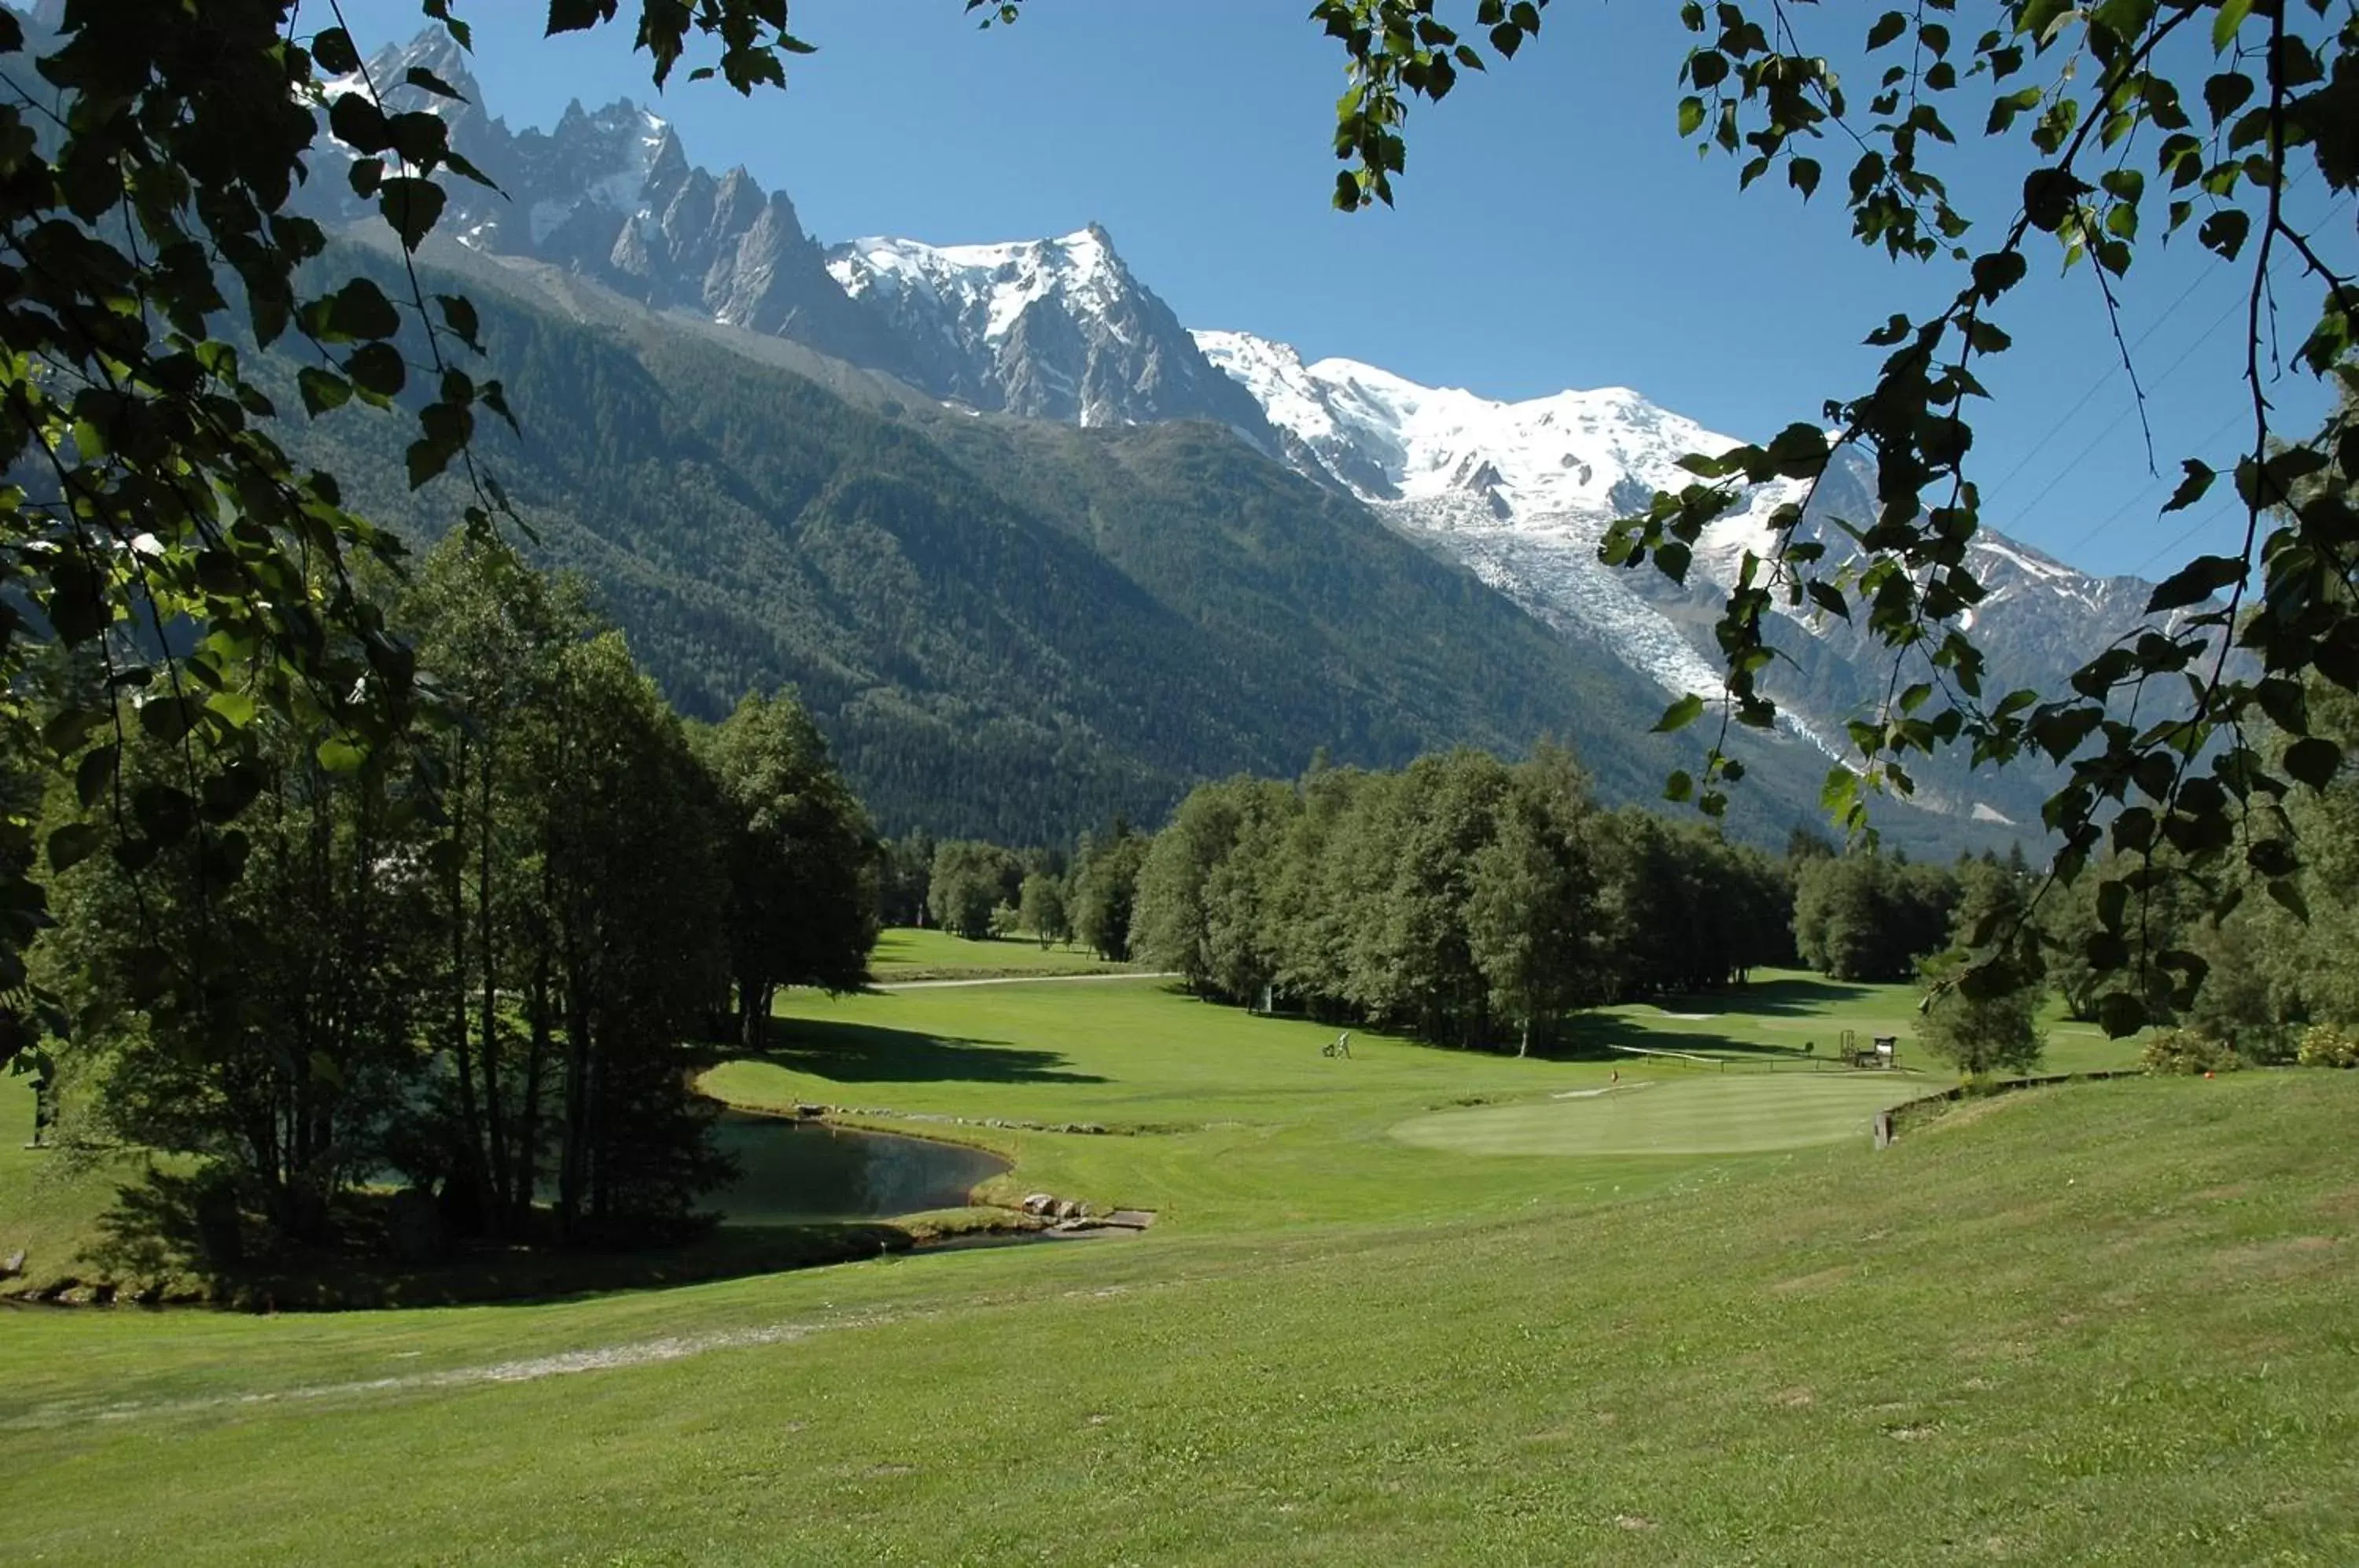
(1250, 503)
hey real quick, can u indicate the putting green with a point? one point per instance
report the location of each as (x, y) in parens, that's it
(1733, 1113)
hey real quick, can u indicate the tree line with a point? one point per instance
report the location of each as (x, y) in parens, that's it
(1465, 900)
(468, 962)
(981, 890)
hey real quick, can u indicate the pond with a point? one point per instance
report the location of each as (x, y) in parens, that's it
(794, 1172)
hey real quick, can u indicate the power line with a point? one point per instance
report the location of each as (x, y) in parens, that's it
(2192, 529)
(2176, 364)
(2146, 491)
(2096, 387)
(2057, 427)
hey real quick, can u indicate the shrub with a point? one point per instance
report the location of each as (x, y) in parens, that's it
(2328, 1045)
(2188, 1051)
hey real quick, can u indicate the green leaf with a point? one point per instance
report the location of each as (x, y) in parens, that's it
(94, 775)
(358, 122)
(1680, 715)
(2048, 195)
(2224, 232)
(425, 80)
(411, 205)
(71, 728)
(1679, 786)
(2199, 478)
(2225, 23)
(2314, 761)
(322, 390)
(377, 367)
(165, 814)
(1691, 115)
(2195, 581)
(332, 48)
(71, 845)
(360, 310)
(167, 719)
(339, 756)
(427, 458)
(576, 16)
(2225, 93)
(2288, 898)
(459, 315)
(2120, 1014)
(1886, 27)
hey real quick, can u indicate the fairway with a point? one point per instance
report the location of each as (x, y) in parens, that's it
(1722, 1112)
(1579, 1320)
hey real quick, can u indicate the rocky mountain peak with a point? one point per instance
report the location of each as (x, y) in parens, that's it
(1057, 328)
(610, 191)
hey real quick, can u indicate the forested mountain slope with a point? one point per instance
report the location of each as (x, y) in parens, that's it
(1006, 626)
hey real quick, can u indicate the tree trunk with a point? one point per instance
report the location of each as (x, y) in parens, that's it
(753, 1002)
(526, 1173)
(495, 1121)
(470, 1154)
(573, 1164)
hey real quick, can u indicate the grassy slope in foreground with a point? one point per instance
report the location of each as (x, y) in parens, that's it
(2103, 1323)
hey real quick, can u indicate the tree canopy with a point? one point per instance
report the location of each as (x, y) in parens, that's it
(155, 526)
(2129, 121)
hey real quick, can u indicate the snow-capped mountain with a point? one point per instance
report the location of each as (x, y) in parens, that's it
(1522, 492)
(611, 193)
(1055, 329)
(1060, 329)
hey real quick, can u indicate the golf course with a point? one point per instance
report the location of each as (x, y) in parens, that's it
(1400, 1304)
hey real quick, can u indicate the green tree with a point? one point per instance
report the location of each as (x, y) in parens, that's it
(1869, 917)
(1105, 889)
(494, 635)
(286, 1082)
(1168, 922)
(1532, 913)
(635, 890)
(969, 880)
(153, 148)
(800, 856)
(2086, 100)
(905, 873)
(1040, 909)
(1991, 1025)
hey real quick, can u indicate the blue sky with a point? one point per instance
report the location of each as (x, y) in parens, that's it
(1553, 231)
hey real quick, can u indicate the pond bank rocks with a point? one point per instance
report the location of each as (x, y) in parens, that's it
(939, 1118)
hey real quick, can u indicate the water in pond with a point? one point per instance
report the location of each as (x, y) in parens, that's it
(793, 1172)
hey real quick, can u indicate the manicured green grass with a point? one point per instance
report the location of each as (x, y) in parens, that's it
(2097, 1323)
(53, 1203)
(1696, 1114)
(905, 953)
(2107, 1323)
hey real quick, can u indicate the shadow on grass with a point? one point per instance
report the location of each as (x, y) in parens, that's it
(1804, 996)
(1594, 1036)
(867, 1053)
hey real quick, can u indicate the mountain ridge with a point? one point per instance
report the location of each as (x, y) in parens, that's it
(1061, 330)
